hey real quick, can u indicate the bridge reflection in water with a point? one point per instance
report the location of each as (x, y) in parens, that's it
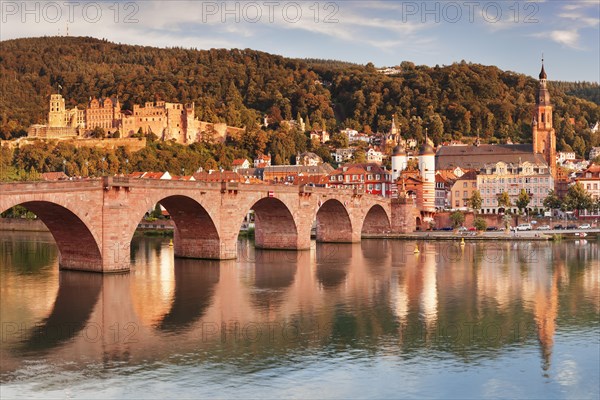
(480, 300)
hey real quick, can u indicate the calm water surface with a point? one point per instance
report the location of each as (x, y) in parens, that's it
(369, 320)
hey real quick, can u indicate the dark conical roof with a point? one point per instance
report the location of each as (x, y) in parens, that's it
(543, 73)
(398, 151)
(426, 149)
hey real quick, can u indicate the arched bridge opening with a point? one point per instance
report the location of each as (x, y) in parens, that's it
(376, 221)
(195, 233)
(333, 223)
(76, 244)
(274, 225)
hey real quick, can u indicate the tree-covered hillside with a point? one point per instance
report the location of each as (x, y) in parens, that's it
(240, 86)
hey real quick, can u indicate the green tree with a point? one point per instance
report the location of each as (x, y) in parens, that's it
(475, 201)
(504, 200)
(480, 224)
(523, 200)
(339, 140)
(98, 133)
(577, 198)
(359, 156)
(552, 201)
(457, 218)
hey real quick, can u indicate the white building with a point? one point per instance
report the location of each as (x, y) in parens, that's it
(374, 156)
(563, 156)
(343, 155)
(594, 152)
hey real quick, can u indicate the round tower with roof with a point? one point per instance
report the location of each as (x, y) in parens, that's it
(399, 161)
(427, 161)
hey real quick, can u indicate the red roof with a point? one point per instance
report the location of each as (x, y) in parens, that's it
(239, 161)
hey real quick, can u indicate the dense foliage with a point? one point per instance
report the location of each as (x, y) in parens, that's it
(240, 86)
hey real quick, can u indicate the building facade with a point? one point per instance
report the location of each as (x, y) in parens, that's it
(370, 178)
(499, 177)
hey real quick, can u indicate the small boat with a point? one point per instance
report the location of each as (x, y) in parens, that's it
(581, 234)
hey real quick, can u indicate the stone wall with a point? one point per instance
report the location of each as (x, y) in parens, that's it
(22, 224)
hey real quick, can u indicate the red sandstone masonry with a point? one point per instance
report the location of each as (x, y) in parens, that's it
(94, 220)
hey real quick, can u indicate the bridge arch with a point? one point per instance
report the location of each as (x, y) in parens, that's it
(274, 225)
(376, 221)
(333, 223)
(77, 245)
(195, 233)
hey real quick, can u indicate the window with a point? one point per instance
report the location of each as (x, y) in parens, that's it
(474, 185)
(465, 194)
(465, 184)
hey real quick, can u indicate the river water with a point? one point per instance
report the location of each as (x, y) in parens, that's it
(367, 320)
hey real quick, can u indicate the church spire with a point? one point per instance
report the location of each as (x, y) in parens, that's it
(543, 75)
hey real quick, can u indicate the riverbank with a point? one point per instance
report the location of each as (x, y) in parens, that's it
(591, 234)
(165, 229)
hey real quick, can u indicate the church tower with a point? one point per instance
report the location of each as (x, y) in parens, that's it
(544, 136)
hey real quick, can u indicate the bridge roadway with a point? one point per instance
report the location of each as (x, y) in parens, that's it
(93, 220)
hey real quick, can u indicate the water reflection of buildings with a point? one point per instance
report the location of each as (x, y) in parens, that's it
(348, 293)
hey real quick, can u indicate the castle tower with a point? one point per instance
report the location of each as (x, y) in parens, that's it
(57, 114)
(399, 160)
(427, 169)
(544, 136)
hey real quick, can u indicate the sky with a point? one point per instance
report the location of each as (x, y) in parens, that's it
(512, 35)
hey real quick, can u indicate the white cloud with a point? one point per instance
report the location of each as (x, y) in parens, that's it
(569, 38)
(582, 20)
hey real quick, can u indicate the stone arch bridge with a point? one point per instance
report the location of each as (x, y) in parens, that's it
(93, 220)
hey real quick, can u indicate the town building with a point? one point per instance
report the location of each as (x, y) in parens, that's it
(343, 155)
(590, 180)
(308, 159)
(262, 161)
(443, 188)
(495, 178)
(289, 174)
(563, 156)
(462, 190)
(240, 163)
(368, 177)
(320, 136)
(594, 152)
(374, 156)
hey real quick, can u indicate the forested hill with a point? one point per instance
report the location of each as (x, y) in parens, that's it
(240, 86)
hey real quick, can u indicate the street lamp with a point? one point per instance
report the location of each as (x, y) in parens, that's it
(103, 159)
(64, 166)
(126, 166)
